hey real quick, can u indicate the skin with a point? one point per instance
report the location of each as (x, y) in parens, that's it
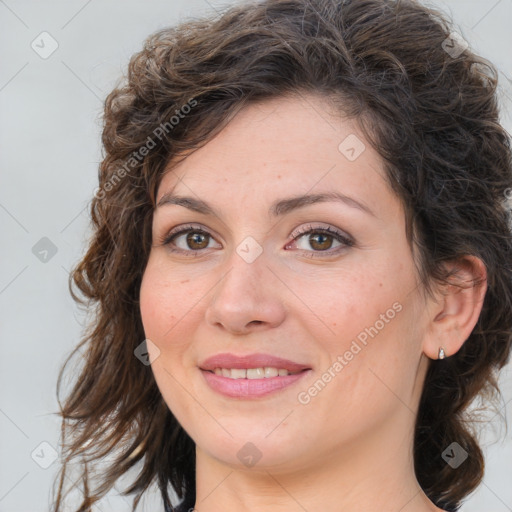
(350, 447)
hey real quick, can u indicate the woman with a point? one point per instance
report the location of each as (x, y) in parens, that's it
(301, 263)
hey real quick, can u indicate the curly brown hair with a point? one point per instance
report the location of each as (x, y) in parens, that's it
(431, 115)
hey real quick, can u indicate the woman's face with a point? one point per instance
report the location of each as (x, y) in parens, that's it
(255, 271)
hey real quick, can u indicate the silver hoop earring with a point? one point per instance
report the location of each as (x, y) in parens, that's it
(441, 353)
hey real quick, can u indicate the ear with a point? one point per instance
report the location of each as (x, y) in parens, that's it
(453, 316)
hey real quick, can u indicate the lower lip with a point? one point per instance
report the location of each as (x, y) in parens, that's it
(250, 388)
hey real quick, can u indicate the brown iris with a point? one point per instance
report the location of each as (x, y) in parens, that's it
(318, 241)
(195, 237)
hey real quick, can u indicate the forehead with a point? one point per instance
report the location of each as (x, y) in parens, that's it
(290, 144)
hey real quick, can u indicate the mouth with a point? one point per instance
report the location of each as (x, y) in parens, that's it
(251, 376)
(243, 384)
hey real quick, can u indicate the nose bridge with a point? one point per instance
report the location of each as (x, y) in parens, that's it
(246, 294)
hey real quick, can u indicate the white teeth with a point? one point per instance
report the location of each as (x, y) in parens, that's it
(238, 374)
(255, 373)
(252, 373)
(271, 372)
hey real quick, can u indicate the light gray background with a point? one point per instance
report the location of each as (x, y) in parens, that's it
(50, 149)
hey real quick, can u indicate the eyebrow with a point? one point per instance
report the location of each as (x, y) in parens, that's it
(281, 207)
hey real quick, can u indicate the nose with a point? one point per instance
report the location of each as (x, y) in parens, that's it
(247, 298)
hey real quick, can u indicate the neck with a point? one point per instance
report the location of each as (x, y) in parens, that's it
(367, 475)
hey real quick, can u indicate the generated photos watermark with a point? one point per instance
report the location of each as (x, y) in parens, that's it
(138, 156)
(304, 397)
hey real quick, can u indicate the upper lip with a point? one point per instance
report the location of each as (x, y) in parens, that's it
(226, 360)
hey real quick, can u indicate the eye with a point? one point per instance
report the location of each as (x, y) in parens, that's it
(189, 239)
(321, 240)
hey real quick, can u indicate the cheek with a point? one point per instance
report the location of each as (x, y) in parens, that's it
(356, 300)
(370, 316)
(170, 309)
(161, 309)
(162, 303)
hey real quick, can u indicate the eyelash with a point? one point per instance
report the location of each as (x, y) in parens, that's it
(307, 230)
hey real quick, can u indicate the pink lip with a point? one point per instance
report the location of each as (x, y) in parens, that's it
(250, 388)
(226, 360)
